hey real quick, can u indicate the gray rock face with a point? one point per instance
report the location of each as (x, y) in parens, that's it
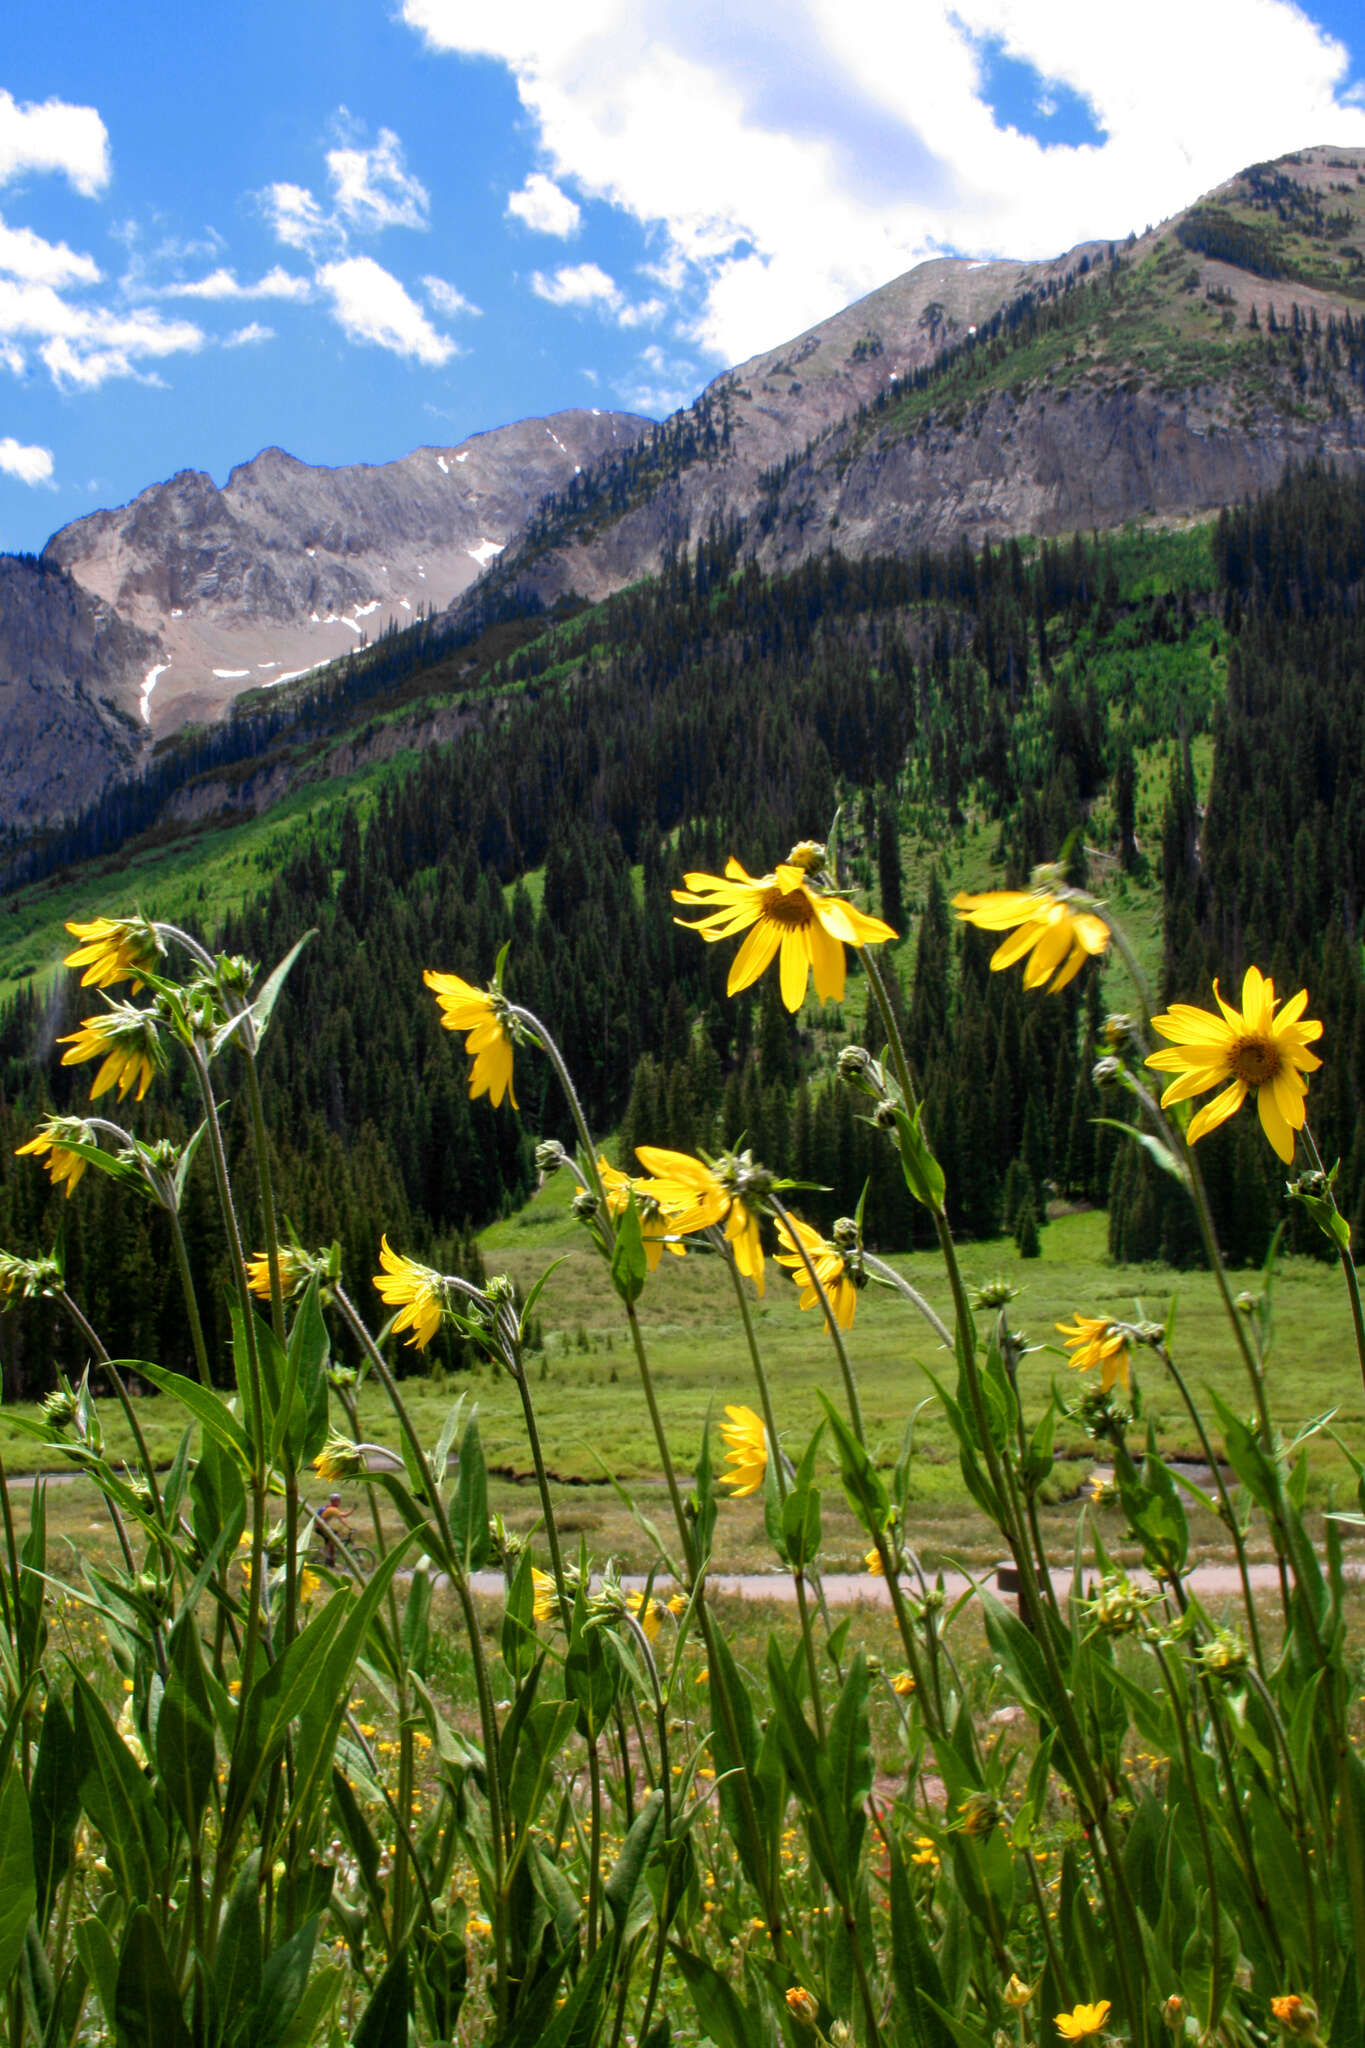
(289, 565)
(67, 663)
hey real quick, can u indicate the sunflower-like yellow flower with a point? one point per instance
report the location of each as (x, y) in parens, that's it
(1242, 1049)
(1085, 2020)
(1057, 936)
(126, 1043)
(295, 1271)
(482, 1012)
(417, 1290)
(746, 1450)
(656, 1227)
(649, 1614)
(695, 1196)
(545, 1606)
(872, 1559)
(781, 910)
(114, 949)
(55, 1139)
(340, 1458)
(831, 1269)
(1094, 1340)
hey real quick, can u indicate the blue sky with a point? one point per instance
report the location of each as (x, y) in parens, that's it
(354, 226)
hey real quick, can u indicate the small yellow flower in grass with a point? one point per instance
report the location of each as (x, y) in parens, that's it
(902, 1683)
(676, 1603)
(1085, 2020)
(1017, 1993)
(477, 1927)
(55, 1139)
(546, 1604)
(1094, 1340)
(831, 1268)
(695, 1195)
(309, 1582)
(114, 949)
(781, 911)
(746, 1450)
(803, 2005)
(1298, 2016)
(656, 1227)
(873, 1560)
(1057, 935)
(704, 1675)
(124, 1040)
(482, 1012)
(417, 1290)
(924, 1853)
(1242, 1049)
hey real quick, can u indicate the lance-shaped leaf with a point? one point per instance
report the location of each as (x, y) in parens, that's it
(148, 2009)
(18, 1891)
(185, 1743)
(117, 1796)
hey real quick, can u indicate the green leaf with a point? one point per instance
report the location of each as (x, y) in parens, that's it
(237, 1960)
(923, 1174)
(629, 1266)
(719, 2008)
(148, 2009)
(117, 1796)
(914, 1966)
(1170, 1162)
(185, 1742)
(384, 2022)
(469, 1509)
(18, 1891)
(626, 1886)
(54, 1803)
(282, 1986)
(801, 1526)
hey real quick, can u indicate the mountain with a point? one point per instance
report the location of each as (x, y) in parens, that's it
(1162, 378)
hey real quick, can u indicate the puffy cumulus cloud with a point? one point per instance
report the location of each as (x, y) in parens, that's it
(82, 347)
(373, 188)
(788, 170)
(448, 300)
(244, 337)
(222, 283)
(28, 465)
(370, 305)
(55, 137)
(26, 255)
(542, 207)
(577, 284)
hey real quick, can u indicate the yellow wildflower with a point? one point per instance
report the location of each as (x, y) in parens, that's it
(1094, 1340)
(649, 1614)
(113, 949)
(56, 1138)
(416, 1289)
(696, 1197)
(656, 1228)
(1242, 1049)
(924, 1853)
(1058, 936)
(124, 1039)
(308, 1584)
(803, 2005)
(295, 1271)
(831, 1269)
(477, 1927)
(781, 910)
(546, 1606)
(873, 1560)
(676, 1603)
(1083, 2021)
(482, 1012)
(902, 1683)
(746, 1450)
(340, 1458)
(1017, 1993)
(1296, 2015)
(704, 1675)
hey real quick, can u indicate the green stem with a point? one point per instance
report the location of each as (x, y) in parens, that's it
(912, 1295)
(182, 1260)
(267, 1187)
(1224, 1500)
(1348, 1266)
(832, 1329)
(1181, 1716)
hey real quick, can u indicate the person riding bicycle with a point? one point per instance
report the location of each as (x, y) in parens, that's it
(334, 1525)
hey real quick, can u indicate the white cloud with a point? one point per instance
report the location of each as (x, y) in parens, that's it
(542, 207)
(373, 188)
(12, 358)
(277, 283)
(446, 299)
(295, 216)
(370, 305)
(577, 284)
(643, 315)
(84, 346)
(54, 136)
(29, 465)
(24, 254)
(243, 337)
(786, 174)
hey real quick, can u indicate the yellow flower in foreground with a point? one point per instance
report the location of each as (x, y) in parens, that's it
(56, 1138)
(655, 1226)
(902, 1684)
(546, 1604)
(830, 1266)
(295, 1270)
(873, 1560)
(125, 1040)
(1094, 1340)
(113, 949)
(1058, 937)
(746, 1450)
(1084, 2021)
(482, 1013)
(1242, 1049)
(781, 910)
(308, 1584)
(648, 1613)
(695, 1197)
(803, 2005)
(418, 1291)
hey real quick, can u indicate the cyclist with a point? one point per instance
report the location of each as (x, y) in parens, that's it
(335, 1527)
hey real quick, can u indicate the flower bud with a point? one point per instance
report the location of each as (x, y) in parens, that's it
(884, 1116)
(803, 2005)
(1173, 2012)
(1108, 1072)
(845, 1233)
(1118, 1030)
(1017, 1993)
(841, 2035)
(584, 1205)
(996, 1293)
(859, 1070)
(550, 1156)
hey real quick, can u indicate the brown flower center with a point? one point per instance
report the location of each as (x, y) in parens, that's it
(1255, 1060)
(791, 908)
